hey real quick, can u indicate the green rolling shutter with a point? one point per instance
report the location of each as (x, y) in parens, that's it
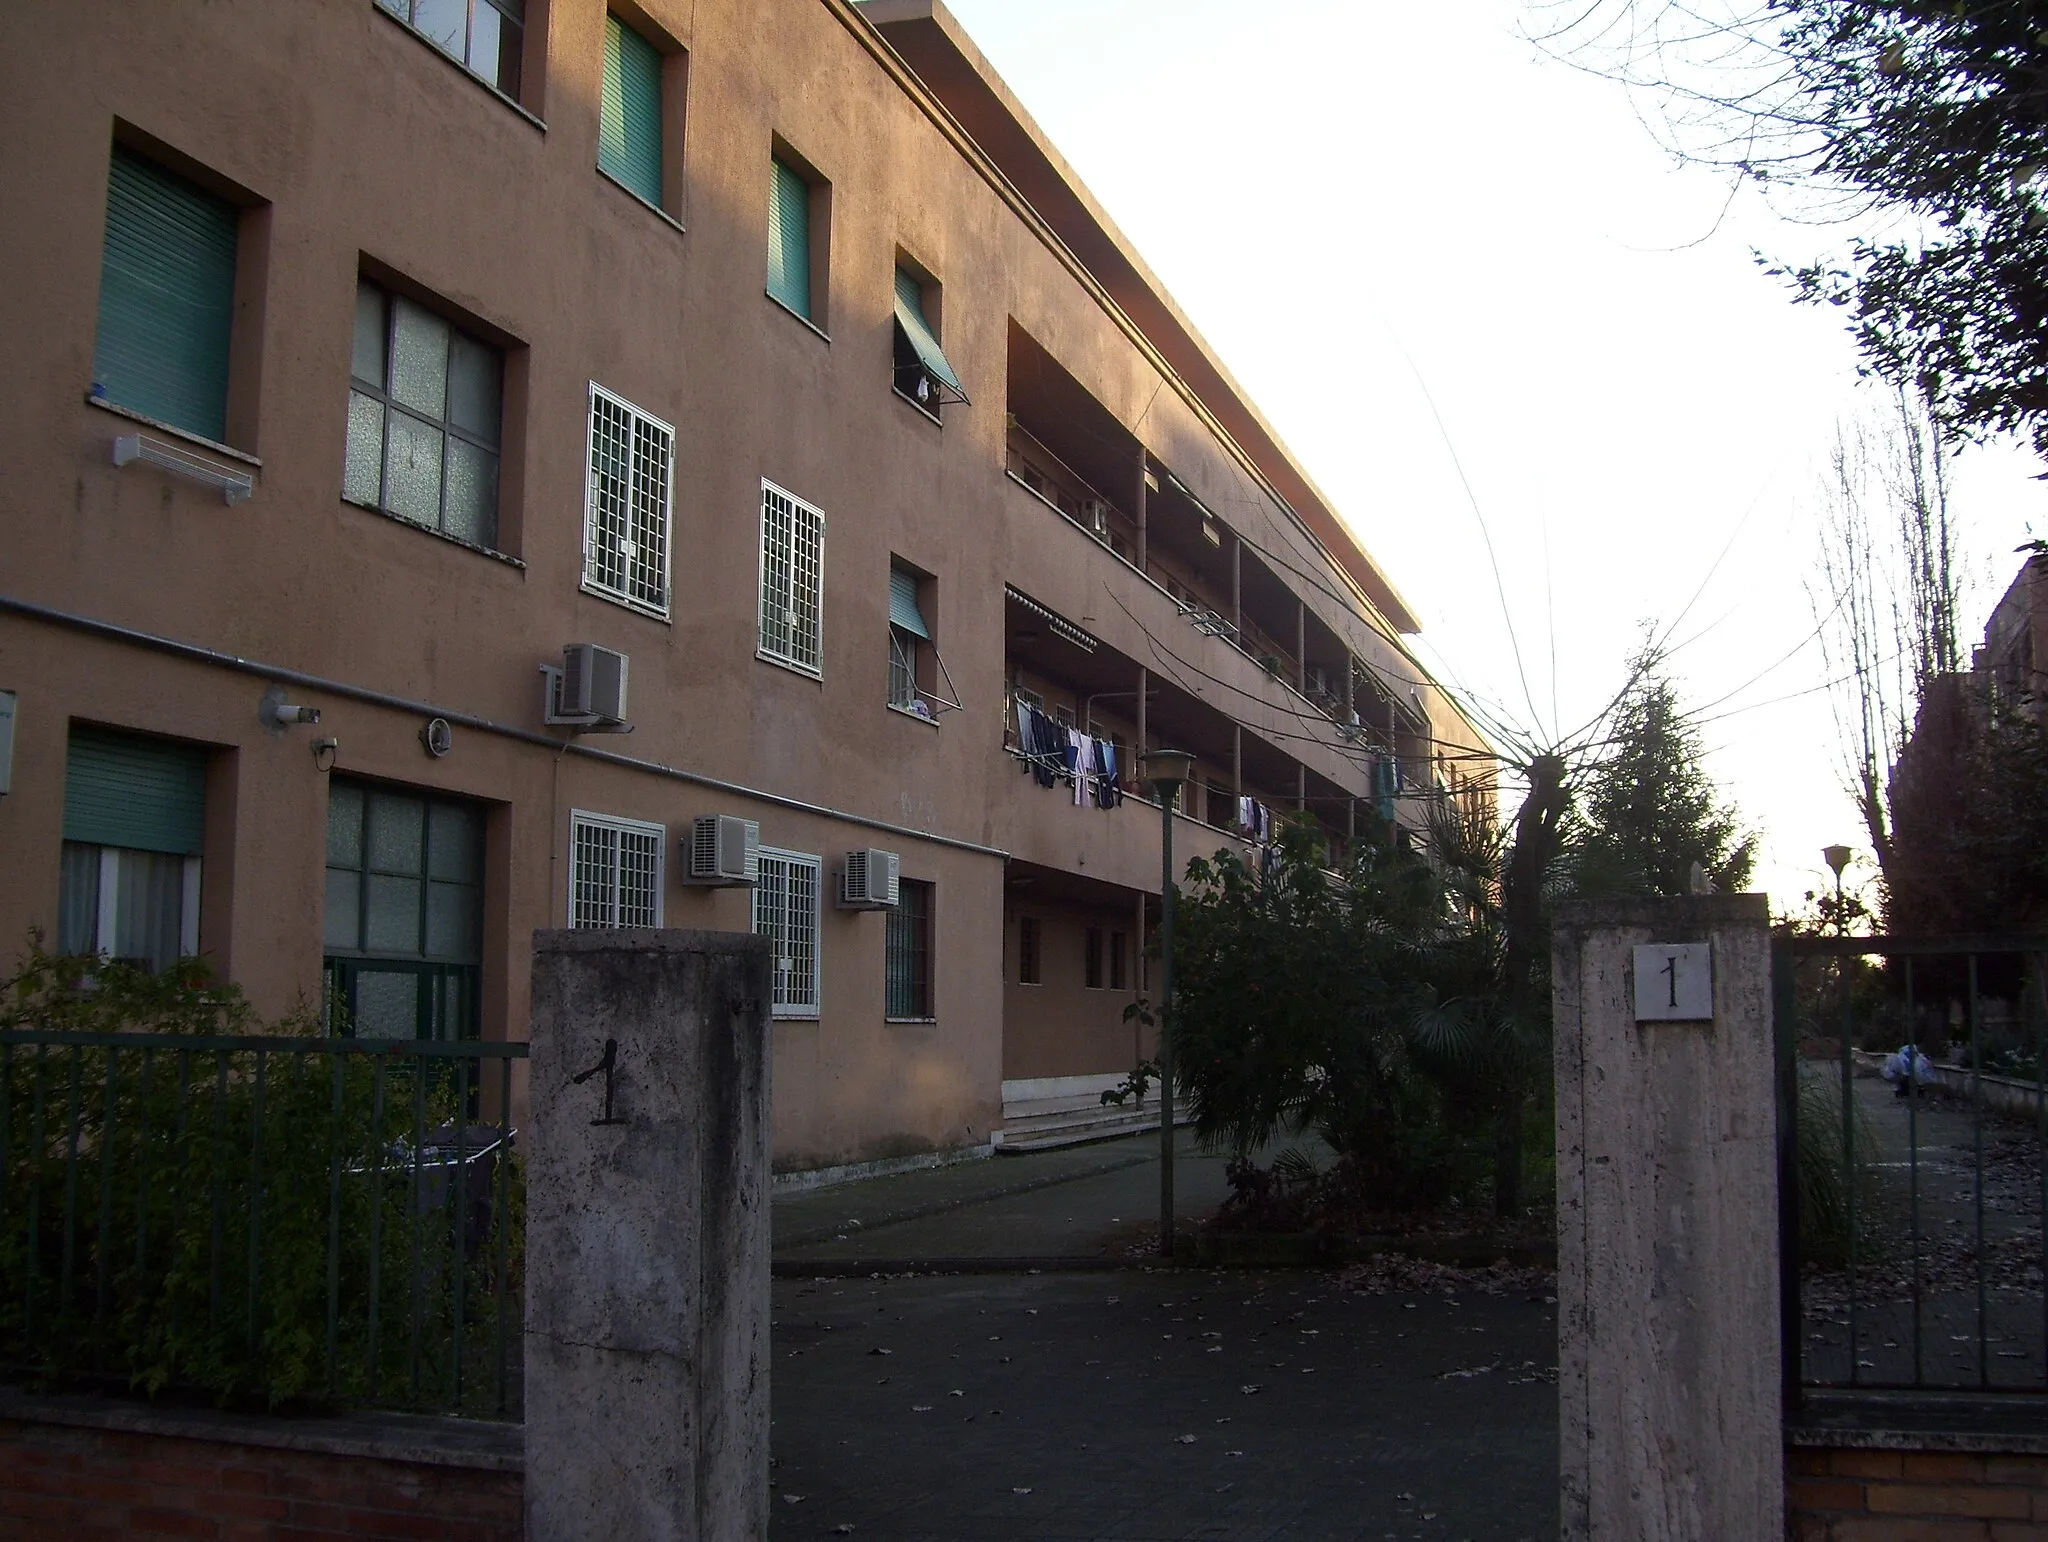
(167, 298)
(146, 794)
(789, 240)
(629, 117)
(903, 609)
(910, 317)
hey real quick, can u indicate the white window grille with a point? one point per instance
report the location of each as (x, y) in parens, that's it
(786, 912)
(792, 579)
(628, 504)
(615, 871)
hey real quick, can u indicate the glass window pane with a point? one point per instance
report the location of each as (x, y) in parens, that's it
(391, 919)
(455, 843)
(419, 358)
(474, 376)
(502, 68)
(454, 921)
(442, 22)
(470, 511)
(412, 470)
(362, 468)
(344, 825)
(387, 1005)
(344, 923)
(78, 898)
(397, 833)
(366, 363)
(149, 903)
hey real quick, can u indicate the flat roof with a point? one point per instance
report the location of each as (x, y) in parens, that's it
(925, 35)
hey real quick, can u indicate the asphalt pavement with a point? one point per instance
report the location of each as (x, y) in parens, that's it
(1052, 1383)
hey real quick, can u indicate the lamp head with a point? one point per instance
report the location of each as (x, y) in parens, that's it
(1166, 769)
(1837, 857)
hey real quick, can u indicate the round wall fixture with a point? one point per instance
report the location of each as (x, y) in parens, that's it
(437, 737)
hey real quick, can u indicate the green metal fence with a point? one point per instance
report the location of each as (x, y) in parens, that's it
(1913, 1164)
(263, 1218)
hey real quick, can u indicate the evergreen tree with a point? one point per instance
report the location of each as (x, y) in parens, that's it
(1647, 810)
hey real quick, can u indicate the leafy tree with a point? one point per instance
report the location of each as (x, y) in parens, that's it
(1648, 812)
(1970, 809)
(1294, 998)
(1924, 121)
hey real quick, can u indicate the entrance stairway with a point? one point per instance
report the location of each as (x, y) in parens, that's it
(1054, 1111)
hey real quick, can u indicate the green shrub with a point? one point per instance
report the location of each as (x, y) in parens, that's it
(240, 1222)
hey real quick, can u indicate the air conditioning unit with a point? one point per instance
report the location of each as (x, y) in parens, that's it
(589, 690)
(869, 881)
(723, 851)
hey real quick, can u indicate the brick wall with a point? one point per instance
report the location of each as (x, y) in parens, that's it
(1837, 1495)
(82, 1484)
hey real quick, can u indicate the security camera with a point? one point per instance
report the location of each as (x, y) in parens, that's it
(286, 714)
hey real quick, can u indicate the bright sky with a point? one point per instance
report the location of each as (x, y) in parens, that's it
(1357, 203)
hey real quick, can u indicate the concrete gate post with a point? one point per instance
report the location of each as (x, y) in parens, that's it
(647, 1238)
(1670, 1426)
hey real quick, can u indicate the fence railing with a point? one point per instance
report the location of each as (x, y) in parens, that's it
(258, 1217)
(1913, 1164)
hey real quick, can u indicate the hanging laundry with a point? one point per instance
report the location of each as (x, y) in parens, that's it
(1081, 761)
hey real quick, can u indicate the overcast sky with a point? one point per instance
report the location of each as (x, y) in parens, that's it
(1367, 207)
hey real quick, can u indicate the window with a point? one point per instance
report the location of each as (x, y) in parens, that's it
(1091, 959)
(1027, 951)
(907, 953)
(626, 514)
(403, 934)
(907, 633)
(167, 298)
(485, 37)
(922, 372)
(1117, 944)
(629, 118)
(424, 404)
(786, 913)
(614, 871)
(789, 238)
(792, 579)
(134, 815)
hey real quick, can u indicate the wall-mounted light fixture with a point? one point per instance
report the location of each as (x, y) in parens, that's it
(325, 752)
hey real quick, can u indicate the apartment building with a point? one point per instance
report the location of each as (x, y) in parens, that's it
(705, 465)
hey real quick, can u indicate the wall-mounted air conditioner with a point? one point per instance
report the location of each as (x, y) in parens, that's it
(869, 881)
(589, 690)
(722, 851)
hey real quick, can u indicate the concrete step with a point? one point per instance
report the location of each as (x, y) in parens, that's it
(1023, 1143)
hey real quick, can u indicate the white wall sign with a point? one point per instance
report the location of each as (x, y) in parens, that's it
(1675, 982)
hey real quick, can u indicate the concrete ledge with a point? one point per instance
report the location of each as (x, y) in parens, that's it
(2012, 1425)
(885, 1167)
(419, 1439)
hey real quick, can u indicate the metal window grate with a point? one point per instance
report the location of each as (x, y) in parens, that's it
(786, 912)
(792, 579)
(907, 949)
(626, 528)
(614, 871)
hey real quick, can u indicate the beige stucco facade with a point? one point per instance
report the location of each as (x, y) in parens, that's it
(140, 600)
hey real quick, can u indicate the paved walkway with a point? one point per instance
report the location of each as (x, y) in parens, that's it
(1082, 1202)
(1124, 1402)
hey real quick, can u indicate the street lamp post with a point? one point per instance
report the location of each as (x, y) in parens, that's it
(1166, 770)
(1837, 857)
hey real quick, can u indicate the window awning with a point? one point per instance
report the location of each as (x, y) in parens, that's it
(916, 332)
(1061, 626)
(903, 609)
